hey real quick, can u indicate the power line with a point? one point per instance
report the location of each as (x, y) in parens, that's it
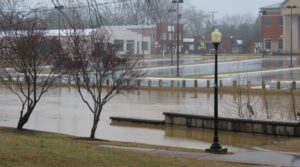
(74, 7)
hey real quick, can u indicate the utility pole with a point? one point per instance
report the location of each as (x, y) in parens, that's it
(59, 8)
(172, 36)
(291, 7)
(142, 39)
(177, 29)
(213, 19)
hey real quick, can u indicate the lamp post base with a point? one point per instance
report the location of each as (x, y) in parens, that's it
(219, 150)
(216, 148)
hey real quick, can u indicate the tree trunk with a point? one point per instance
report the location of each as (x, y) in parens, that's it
(23, 120)
(94, 128)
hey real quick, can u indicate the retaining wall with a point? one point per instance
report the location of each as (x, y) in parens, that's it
(291, 129)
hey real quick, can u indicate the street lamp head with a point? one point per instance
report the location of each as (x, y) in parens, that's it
(177, 1)
(60, 7)
(172, 10)
(216, 36)
(263, 12)
(291, 7)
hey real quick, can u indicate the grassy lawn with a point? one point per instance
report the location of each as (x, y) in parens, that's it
(31, 148)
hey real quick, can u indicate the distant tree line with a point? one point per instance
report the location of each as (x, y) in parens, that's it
(196, 22)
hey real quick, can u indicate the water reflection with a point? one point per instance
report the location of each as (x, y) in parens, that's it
(232, 140)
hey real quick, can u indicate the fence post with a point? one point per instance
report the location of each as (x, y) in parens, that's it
(69, 79)
(196, 84)
(278, 85)
(149, 83)
(139, 84)
(60, 79)
(263, 85)
(294, 85)
(160, 83)
(172, 84)
(248, 84)
(208, 84)
(128, 83)
(221, 83)
(234, 84)
(184, 83)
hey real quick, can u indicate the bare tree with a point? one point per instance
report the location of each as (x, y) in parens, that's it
(194, 21)
(293, 103)
(97, 63)
(30, 61)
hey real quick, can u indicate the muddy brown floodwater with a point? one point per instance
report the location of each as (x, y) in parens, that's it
(62, 111)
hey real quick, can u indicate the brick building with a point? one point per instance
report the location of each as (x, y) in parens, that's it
(272, 28)
(281, 27)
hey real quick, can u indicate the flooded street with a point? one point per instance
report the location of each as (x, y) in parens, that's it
(269, 70)
(226, 67)
(63, 111)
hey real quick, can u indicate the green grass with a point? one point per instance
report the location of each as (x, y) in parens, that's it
(39, 149)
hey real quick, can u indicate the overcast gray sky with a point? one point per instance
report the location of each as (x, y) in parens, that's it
(230, 7)
(223, 7)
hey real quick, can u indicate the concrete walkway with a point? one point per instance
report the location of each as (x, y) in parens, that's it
(255, 157)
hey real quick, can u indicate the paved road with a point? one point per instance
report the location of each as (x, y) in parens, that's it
(255, 157)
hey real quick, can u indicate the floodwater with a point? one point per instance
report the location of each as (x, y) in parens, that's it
(62, 111)
(226, 67)
(182, 60)
(237, 70)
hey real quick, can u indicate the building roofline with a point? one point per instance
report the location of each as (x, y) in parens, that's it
(274, 6)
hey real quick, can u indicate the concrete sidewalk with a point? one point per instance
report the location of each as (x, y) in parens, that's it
(255, 157)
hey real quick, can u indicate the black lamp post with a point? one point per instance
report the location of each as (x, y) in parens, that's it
(291, 7)
(216, 38)
(263, 13)
(173, 35)
(231, 43)
(281, 43)
(177, 29)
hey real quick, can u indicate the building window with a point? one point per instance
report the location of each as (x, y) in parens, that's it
(268, 44)
(179, 37)
(191, 47)
(280, 20)
(280, 44)
(130, 46)
(171, 36)
(268, 20)
(171, 28)
(153, 35)
(119, 44)
(163, 36)
(145, 46)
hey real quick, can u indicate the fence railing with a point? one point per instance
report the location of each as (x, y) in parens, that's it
(189, 83)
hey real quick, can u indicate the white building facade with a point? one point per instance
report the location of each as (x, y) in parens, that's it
(130, 41)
